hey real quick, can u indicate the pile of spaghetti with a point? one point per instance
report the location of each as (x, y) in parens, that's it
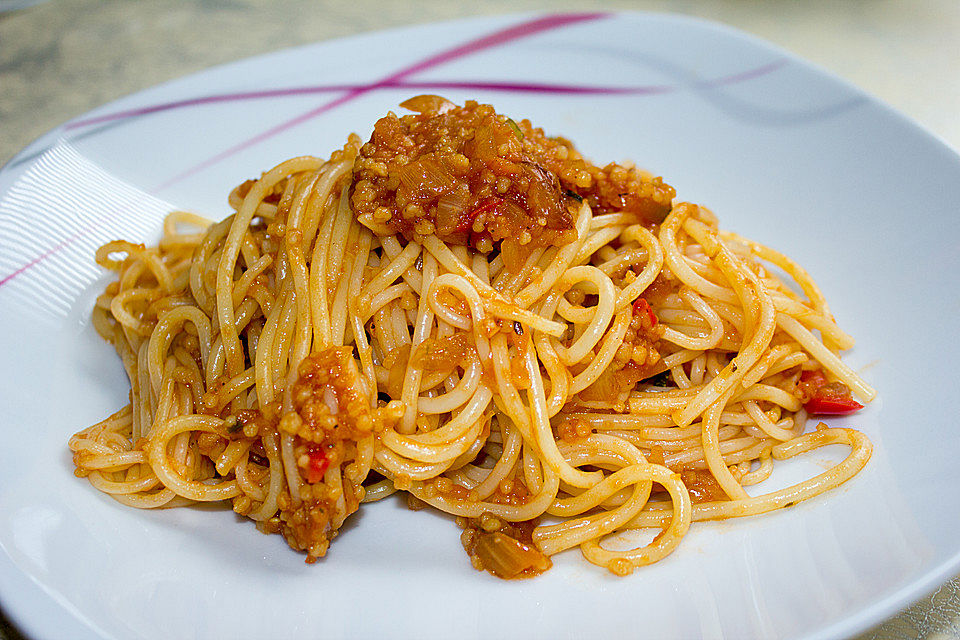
(467, 310)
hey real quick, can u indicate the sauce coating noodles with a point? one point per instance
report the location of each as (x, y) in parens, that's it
(467, 310)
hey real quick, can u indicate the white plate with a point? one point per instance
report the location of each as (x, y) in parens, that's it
(781, 151)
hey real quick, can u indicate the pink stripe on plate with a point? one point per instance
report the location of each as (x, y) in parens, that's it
(480, 85)
(495, 39)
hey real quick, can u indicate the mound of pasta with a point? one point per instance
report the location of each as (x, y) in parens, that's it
(467, 310)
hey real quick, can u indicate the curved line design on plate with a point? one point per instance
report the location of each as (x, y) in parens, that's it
(110, 120)
(490, 85)
(496, 39)
(734, 107)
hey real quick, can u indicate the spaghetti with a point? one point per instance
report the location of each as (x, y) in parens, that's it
(467, 310)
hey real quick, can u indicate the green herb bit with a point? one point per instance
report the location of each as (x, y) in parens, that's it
(516, 129)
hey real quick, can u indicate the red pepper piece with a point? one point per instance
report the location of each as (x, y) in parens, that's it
(814, 378)
(829, 406)
(487, 204)
(642, 306)
(317, 465)
(827, 399)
